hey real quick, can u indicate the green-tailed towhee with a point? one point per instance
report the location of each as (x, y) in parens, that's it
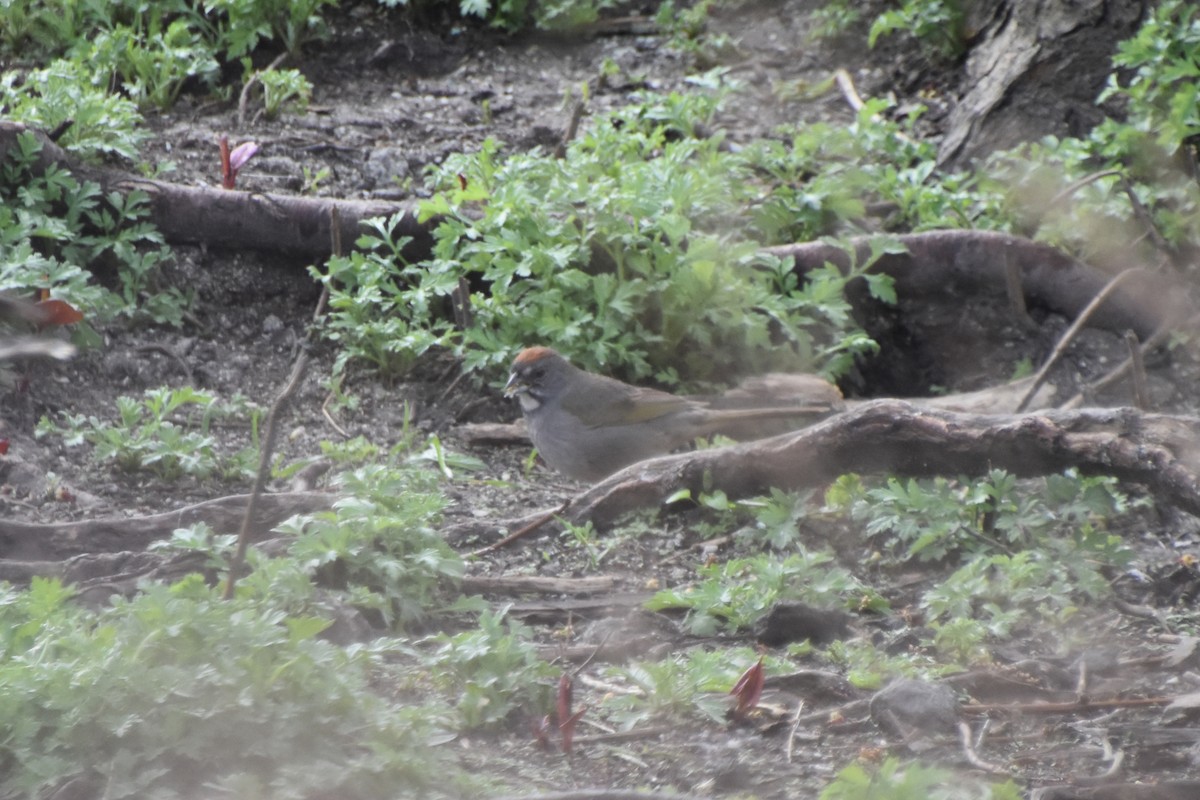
(589, 426)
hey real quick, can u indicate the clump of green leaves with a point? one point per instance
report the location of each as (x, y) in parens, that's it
(378, 545)
(628, 255)
(173, 687)
(154, 63)
(687, 31)
(835, 18)
(937, 24)
(52, 227)
(494, 671)
(682, 685)
(284, 89)
(732, 595)
(168, 433)
(379, 313)
(102, 124)
(1164, 58)
(1017, 546)
(1144, 146)
(897, 780)
(243, 24)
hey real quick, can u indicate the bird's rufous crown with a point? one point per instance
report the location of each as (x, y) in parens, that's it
(532, 354)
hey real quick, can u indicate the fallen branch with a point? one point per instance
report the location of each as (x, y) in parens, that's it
(541, 584)
(237, 220)
(968, 262)
(25, 541)
(1159, 451)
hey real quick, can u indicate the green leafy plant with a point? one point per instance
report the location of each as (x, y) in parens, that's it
(371, 318)
(1018, 547)
(494, 671)
(378, 546)
(284, 89)
(835, 18)
(691, 684)
(1164, 58)
(732, 595)
(52, 226)
(154, 693)
(311, 181)
(101, 123)
(154, 63)
(938, 24)
(897, 780)
(167, 433)
(241, 25)
(615, 254)
(686, 27)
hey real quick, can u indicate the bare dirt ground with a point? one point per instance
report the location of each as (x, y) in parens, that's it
(391, 99)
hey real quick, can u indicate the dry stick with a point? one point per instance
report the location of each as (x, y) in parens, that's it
(1012, 283)
(854, 99)
(264, 467)
(791, 740)
(597, 794)
(560, 151)
(1118, 372)
(632, 735)
(846, 84)
(1141, 395)
(973, 758)
(1082, 182)
(335, 238)
(1142, 213)
(244, 99)
(1073, 331)
(520, 532)
(1066, 708)
(271, 431)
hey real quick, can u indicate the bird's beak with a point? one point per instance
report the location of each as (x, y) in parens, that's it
(514, 386)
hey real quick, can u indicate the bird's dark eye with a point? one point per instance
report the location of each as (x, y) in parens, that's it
(537, 372)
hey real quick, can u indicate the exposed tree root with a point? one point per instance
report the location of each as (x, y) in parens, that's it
(1159, 451)
(24, 541)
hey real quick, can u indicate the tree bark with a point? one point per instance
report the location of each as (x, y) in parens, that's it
(237, 220)
(1159, 451)
(1035, 69)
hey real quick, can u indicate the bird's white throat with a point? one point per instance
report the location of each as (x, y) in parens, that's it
(529, 402)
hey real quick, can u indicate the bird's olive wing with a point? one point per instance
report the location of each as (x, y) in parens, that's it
(608, 402)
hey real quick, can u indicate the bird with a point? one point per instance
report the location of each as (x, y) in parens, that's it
(588, 426)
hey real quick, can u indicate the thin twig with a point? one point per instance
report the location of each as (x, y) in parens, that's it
(560, 151)
(1119, 371)
(549, 516)
(335, 239)
(964, 737)
(244, 98)
(1143, 214)
(1073, 331)
(597, 794)
(854, 99)
(325, 412)
(1141, 395)
(1074, 187)
(846, 84)
(1066, 708)
(270, 434)
(791, 740)
(625, 736)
